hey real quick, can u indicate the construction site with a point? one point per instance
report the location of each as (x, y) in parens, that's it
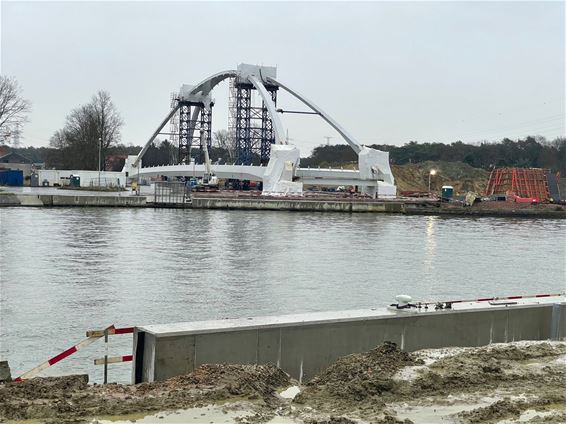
(498, 360)
(266, 171)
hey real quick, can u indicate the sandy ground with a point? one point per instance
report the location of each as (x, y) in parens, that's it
(500, 383)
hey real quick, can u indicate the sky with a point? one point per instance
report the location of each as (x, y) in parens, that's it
(389, 72)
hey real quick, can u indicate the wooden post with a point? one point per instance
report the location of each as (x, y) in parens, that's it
(106, 356)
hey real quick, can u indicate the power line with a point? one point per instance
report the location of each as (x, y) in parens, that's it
(514, 126)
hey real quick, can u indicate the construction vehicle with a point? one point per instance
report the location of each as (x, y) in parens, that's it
(209, 181)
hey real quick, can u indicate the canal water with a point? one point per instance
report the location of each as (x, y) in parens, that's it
(68, 270)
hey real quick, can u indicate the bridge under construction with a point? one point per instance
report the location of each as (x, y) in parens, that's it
(256, 131)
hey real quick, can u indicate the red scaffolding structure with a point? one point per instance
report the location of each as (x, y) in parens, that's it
(523, 182)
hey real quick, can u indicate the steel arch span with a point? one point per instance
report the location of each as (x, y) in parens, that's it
(282, 174)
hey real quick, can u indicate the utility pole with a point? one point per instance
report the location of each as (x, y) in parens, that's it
(328, 139)
(99, 158)
(430, 174)
(17, 133)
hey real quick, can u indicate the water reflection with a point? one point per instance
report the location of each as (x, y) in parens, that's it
(67, 270)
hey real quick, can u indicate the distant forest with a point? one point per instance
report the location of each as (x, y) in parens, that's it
(531, 152)
(535, 152)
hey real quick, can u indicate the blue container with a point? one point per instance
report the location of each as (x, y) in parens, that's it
(11, 177)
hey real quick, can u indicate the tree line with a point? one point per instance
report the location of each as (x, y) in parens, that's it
(530, 152)
(92, 133)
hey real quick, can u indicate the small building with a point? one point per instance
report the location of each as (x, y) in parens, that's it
(15, 161)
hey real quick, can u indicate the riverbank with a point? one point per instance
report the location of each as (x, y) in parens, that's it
(499, 383)
(308, 203)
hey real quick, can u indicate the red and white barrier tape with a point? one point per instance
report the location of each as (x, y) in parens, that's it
(490, 299)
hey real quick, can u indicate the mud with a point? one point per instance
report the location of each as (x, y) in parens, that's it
(501, 383)
(514, 409)
(494, 367)
(70, 399)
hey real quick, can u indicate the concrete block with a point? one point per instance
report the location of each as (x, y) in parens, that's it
(236, 347)
(304, 344)
(5, 375)
(269, 346)
(174, 356)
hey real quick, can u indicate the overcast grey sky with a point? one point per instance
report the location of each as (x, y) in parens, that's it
(389, 72)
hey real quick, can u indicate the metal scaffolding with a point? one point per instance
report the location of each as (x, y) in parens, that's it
(189, 130)
(250, 125)
(523, 182)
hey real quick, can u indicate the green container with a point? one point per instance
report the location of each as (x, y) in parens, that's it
(75, 181)
(447, 192)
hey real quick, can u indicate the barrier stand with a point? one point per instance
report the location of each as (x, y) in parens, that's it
(91, 338)
(111, 359)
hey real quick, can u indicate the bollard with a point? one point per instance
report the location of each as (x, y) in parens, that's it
(5, 376)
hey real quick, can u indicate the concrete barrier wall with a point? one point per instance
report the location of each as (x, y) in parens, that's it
(9, 199)
(93, 200)
(306, 346)
(296, 205)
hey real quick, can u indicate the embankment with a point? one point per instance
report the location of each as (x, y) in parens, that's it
(515, 382)
(16, 199)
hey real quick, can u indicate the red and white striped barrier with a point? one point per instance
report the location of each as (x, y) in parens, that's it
(447, 304)
(114, 359)
(91, 339)
(490, 299)
(111, 331)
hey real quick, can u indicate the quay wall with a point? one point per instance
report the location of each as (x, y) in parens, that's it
(11, 199)
(315, 205)
(304, 345)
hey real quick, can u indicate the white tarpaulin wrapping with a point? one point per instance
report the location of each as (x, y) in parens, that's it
(278, 177)
(386, 190)
(374, 165)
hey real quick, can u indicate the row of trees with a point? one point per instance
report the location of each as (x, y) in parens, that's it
(164, 152)
(531, 152)
(92, 132)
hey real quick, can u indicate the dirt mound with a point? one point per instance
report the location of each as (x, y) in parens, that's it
(44, 388)
(70, 398)
(498, 410)
(359, 376)
(463, 177)
(237, 379)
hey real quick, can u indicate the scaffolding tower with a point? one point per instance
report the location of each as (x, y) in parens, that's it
(189, 130)
(250, 126)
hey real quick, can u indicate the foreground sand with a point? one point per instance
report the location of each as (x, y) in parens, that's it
(501, 383)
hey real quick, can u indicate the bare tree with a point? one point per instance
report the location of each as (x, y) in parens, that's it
(221, 139)
(88, 127)
(13, 107)
(107, 118)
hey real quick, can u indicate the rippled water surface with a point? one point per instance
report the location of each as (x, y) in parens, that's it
(67, 270)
